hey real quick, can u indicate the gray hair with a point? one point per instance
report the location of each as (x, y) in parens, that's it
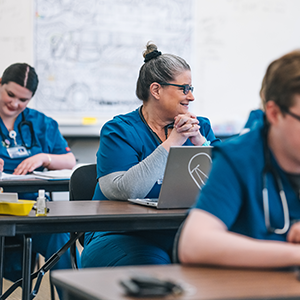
(162, 68)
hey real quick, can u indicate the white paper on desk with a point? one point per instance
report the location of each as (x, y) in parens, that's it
(8, 197)
(55, 174)
(6, 176)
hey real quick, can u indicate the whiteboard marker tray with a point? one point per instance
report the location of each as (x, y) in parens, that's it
(20, 208)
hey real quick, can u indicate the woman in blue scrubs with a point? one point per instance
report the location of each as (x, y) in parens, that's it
(132, 157)
(30, 141)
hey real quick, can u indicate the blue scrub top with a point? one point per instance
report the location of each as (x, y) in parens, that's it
(47, 136)
(233, 191)
(254, 116)
(126, 140)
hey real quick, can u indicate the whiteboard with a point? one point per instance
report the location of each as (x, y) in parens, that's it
(88, 53)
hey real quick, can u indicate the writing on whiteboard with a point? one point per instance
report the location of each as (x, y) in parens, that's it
(88, 53)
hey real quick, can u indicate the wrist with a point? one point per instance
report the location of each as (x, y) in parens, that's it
(48, 162)
(206, 142)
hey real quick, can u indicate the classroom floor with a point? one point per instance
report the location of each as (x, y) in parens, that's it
(43, 294)
(44, 290)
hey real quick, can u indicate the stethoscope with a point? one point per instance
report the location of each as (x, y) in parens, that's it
(269, 168)
(13, 134)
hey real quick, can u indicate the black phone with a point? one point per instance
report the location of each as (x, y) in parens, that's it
(147, 286)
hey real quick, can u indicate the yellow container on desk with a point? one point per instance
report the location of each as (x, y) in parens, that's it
(20, 208)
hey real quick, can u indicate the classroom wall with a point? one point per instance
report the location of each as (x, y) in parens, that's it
(16, 34)
(228, 43)
(235, 42)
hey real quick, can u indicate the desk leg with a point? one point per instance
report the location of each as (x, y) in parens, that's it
(26, 268)
(1, 262)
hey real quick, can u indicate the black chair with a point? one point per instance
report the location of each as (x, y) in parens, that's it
(83, 182)
(81, 187)
(174, 258)
(13, 244)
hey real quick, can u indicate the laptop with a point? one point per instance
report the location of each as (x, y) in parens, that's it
(186, 172)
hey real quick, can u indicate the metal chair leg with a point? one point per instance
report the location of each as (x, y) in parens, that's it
(52, 291)
(1, 262)
(26, 268)
(38, 274)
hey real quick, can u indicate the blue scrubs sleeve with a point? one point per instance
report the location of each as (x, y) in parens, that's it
(222, 194)
(206, 131)
(54, 141)
(120, 148)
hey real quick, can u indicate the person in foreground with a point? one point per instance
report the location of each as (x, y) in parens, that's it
(132, 156)
(249, 211)
(30, 141)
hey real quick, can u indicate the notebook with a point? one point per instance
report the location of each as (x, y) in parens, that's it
(186, 172)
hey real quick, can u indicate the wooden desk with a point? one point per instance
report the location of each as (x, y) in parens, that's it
(73, 216)
(199, 283)
(82, 216)
(33, 185)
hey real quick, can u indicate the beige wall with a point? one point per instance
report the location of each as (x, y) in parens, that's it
(16, 33)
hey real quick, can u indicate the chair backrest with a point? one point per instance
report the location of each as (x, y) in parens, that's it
(81, 187)
(83, 182)
(175, 258)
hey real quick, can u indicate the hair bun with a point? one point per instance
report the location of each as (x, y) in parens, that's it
(152, 55)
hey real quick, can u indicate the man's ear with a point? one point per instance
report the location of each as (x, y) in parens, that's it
(0, 80)
(155, 90)
(273, 112)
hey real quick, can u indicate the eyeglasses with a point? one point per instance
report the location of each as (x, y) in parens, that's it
(185, 87)
(287, 111)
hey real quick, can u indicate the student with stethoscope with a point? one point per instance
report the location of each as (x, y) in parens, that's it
(248, 214)
(29, 140)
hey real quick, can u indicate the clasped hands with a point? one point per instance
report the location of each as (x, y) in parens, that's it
(187, 126)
